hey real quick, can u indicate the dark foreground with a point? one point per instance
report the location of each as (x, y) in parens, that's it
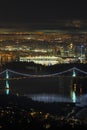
(19, 112)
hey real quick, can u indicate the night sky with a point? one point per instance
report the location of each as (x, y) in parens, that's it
(34, 11)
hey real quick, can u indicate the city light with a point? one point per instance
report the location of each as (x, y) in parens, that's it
(82, 53)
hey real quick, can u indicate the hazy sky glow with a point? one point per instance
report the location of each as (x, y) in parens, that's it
(38, 14)
(34, 10)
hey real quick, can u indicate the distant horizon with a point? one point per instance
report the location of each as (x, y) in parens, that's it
(62, 24)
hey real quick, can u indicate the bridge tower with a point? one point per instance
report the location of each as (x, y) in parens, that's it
(74, 73)
(7, 83)
(73, 91)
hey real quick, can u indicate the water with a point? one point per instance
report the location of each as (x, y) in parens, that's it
(48, 89)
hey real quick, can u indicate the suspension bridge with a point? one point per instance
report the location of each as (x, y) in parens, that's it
(9, 74)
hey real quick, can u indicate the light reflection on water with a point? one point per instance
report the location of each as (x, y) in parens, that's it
(79, 100)
(50, 98)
